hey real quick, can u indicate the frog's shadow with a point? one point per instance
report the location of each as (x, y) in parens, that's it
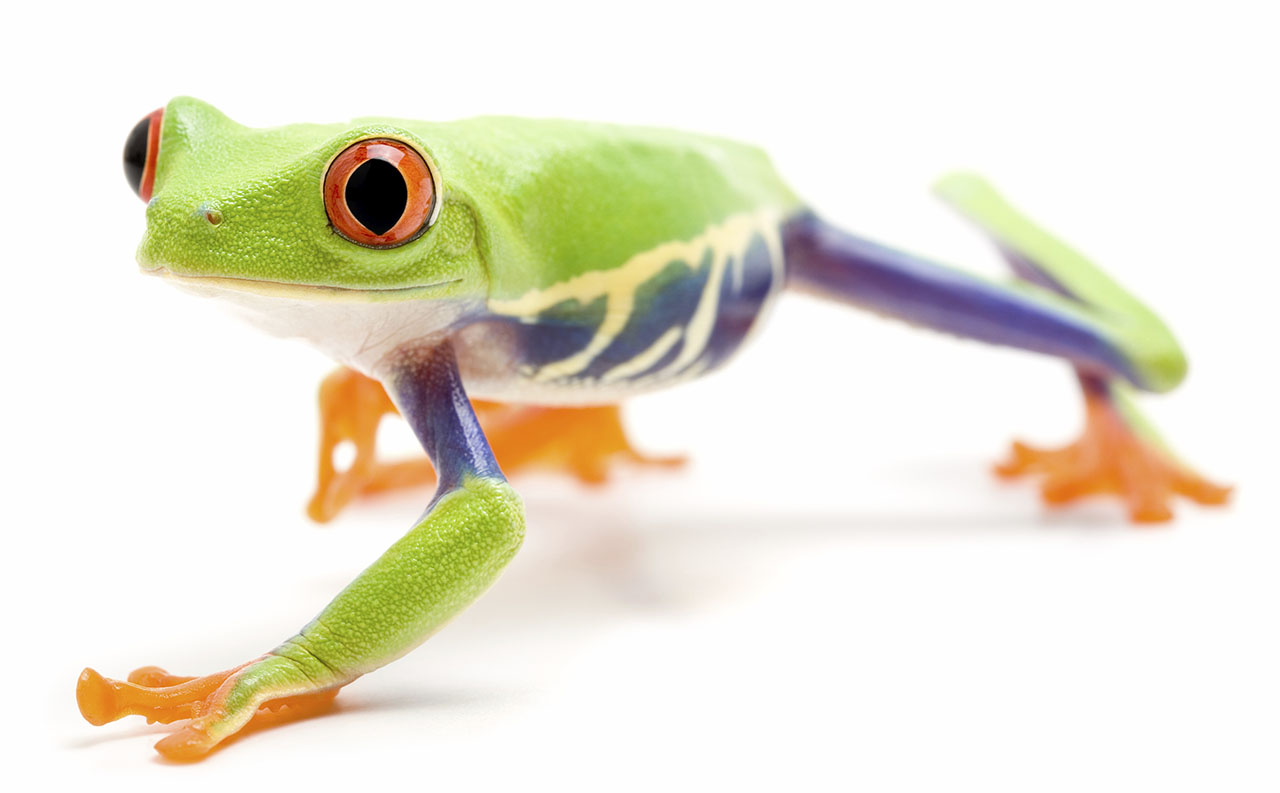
(593, 556)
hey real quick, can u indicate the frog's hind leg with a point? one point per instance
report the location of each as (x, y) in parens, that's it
(1119, 452)
(1062, 305)
(586, 442)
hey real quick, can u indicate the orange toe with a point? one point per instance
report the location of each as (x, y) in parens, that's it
(104, 700)
(186, 745)
(158, 696)
(96, 698)
(301, 706)
(154, 676)
(1200, 490)
(351, 408)
(193, 742)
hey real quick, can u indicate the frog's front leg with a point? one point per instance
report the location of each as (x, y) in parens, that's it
(1063, 305)
(471, 529)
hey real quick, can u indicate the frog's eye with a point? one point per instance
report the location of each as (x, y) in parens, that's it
(379, 193)
(140, 151)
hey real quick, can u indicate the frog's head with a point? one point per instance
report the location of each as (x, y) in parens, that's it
(308, 214)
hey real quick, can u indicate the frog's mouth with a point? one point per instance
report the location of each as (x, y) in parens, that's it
(216, 284)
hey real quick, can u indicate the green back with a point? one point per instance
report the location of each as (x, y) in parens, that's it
(558, 198)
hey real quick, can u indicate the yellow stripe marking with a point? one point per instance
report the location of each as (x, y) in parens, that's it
(645, 359)
(727, 241)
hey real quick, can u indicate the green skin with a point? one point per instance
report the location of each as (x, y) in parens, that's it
(522, 177)
(525, 205)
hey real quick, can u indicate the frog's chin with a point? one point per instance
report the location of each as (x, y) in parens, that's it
(357, 327)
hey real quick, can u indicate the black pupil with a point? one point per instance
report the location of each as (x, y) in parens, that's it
(377, 195)
(135, 154)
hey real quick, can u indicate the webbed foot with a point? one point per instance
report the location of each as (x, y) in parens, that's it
(351, 408)
(1117, 454)
(268, 690)
(587, 443)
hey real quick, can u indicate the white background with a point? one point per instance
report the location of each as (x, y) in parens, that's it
(836, 594)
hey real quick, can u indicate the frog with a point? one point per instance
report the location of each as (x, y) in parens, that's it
(503, 284)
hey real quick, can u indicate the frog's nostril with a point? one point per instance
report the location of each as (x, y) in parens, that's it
(141, 149)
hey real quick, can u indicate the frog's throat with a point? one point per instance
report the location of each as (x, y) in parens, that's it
(313, 292)
(356, 327)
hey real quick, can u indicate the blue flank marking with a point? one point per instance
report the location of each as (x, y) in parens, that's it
(668, 300)
(663, 302)
(740, 307)
(558, 332)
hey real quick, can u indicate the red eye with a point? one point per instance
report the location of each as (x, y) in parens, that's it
(140, 151)
(379, 193)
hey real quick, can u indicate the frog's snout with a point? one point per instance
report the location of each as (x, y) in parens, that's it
(141, 149)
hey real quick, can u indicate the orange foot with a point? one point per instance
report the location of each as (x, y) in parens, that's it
(161, 697)
(1113, 456)
(585, 442)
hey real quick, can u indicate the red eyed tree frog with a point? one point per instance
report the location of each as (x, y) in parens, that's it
(552, 269)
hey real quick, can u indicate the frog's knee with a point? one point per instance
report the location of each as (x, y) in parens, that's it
(1167, 369)
(1158, 362)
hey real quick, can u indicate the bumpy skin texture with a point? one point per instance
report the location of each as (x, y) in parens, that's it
(568, 264)
(523, 206)
(453, 553)
(551, 195)
(471, 533)
(1062, 305)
